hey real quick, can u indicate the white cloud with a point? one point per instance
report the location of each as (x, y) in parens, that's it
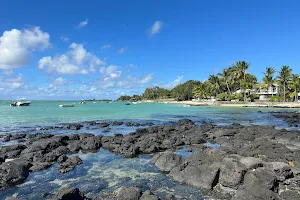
(58, 81)
(107, 46)
(122, 50)
(82, 24)
(16, 46)
(76, 61)
(135, 82)
(111, 72)
(174, 83)
(155, 28)
(11, 82)
(64, 38)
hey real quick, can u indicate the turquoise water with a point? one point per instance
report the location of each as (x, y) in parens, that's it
(49, 113)
(103, 172)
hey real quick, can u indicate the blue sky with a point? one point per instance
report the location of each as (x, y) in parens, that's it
(103, 49)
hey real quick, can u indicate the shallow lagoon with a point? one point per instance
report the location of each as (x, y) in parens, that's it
(104, 171)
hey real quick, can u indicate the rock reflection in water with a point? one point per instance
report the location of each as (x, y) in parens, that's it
(101, 173)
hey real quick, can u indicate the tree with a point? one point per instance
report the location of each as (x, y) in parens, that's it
(226, 77)
(295, 84)
(284, 76)
(215, 84)
(268, 79)
(184, 91)
(240, 71)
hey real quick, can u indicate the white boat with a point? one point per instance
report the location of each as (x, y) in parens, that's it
(66, 105)
(21, 102)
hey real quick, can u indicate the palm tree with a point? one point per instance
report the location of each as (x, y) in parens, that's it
(295, 83)
(215, 84)
(226, 77)
(240, 71)
(284, 76)
(268, 78)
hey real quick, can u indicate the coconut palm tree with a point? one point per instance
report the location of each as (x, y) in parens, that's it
(284, 76)
(295, 84)
(226, 76)
(240, 71)
(269, 77)
(215, 84)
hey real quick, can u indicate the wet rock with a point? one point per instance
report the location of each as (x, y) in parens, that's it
(260, 182)
(39, 166)
(231, 172)
(74, 137)
(74, 126)
(147, 195)
(12, 173)
(91, 143)
(74, 145)
(242, 194)
(18, 136)
(200, 170)
(6, 138)
(70, 194)
(2, 158)
(46, 145)
(53, 155)
(116, 123)
(104, 124)
(85, 135)
(281, 170)
(167, 161)
(130, 193)
(290, 194)
(62, 158)
(69, 164)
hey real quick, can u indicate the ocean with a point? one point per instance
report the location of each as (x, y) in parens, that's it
(104, 171)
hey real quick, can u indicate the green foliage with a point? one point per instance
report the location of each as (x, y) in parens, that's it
(152, 93)
(275, 99)
(184, 91)
(124, 98)
(284, 77)
(130, 98)
(223, 96)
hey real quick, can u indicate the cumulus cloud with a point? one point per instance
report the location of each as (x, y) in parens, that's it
(122, 50)
(64, 38)
(82, 24)
(16, 46)
(11, 82)
(111, 72)
(58, 81)
(135, 82)
(174, 83)
(107, 46)
(76, 61)
(155, 28)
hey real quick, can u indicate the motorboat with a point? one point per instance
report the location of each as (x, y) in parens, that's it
(67, 105)
(21, 102)
(82, 102)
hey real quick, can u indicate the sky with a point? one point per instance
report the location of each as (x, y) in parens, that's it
(103, 49)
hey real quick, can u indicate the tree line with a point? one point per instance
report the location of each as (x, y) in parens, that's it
(232, 83)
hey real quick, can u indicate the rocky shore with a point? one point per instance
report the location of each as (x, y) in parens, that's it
(252, 162)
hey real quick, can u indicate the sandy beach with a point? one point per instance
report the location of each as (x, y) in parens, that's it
(232, 104)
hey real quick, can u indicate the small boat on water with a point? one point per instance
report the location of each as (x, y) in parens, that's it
(21, 102)
(66, 105)
(82, 102)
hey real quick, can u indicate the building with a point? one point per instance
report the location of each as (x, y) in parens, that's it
(265, 94)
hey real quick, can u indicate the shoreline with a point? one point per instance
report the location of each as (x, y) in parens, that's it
(261, 153)
(230, 104)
